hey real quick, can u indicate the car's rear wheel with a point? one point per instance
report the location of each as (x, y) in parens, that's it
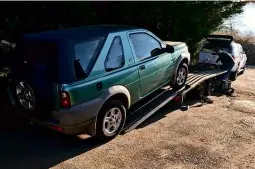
(110, 120)
(181, 76)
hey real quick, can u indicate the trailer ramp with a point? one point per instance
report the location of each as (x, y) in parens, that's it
(146, 108)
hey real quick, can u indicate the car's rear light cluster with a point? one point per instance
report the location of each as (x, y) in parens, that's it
(65, 101)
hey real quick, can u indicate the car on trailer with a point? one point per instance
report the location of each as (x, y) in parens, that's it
(84, 80)
(227, 44)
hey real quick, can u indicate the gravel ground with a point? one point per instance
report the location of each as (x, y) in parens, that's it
(220, 135)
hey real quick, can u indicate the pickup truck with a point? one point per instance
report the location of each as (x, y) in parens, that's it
(84, 80)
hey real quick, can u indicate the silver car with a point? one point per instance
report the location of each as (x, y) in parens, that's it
(226, 43)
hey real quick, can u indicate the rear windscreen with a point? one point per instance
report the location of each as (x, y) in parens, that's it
(41, 58)
(209, 46)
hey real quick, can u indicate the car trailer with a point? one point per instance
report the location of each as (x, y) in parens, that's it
(146, 108)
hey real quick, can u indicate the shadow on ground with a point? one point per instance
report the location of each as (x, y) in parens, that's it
(30, 146)
(36, 147)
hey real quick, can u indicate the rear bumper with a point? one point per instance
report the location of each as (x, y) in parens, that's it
(76, 120)
(88, 127)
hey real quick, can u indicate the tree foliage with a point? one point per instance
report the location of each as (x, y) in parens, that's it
(175, 21)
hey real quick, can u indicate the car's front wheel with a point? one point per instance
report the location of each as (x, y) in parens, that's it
(181, 76)
(110, 120)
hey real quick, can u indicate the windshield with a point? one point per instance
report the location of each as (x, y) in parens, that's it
(85, 55)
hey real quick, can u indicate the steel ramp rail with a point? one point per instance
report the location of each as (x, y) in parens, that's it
(139, 113)
(197, 77)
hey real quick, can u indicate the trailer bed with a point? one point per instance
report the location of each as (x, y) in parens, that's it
(146, 108)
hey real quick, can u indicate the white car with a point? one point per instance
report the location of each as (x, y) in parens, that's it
(207, 53)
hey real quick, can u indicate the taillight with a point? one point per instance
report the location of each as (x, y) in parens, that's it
(65, 101)
(233, 57)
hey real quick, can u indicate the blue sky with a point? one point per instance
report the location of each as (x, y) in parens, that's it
(245, 21)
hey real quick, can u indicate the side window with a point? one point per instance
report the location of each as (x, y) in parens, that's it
(115, 58)
(144, 45)
(84, 52)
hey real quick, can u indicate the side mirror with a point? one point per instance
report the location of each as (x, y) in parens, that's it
(156, 51)
(169, 49)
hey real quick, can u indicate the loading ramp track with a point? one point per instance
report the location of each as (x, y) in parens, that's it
(139, 114)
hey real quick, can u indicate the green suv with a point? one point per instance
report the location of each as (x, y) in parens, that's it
(84, 80)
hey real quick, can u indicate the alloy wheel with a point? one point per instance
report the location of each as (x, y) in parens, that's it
(25, 95)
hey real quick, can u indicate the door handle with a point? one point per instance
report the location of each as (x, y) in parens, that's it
(142, 67)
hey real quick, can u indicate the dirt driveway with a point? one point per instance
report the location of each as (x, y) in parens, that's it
(221, 135)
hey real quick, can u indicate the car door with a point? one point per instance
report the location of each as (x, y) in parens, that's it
(152, 68)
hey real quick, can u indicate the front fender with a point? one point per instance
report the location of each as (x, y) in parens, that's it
(180, 59)
(178, 62)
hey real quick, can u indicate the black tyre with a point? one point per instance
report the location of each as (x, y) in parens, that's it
(242, 72)
(181, 76)
(22, 96)
(110, 120)
(233, 76)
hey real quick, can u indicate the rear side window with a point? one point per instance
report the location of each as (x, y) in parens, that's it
(144, 45)
(115, 58)
(85, 51)
(85, 56)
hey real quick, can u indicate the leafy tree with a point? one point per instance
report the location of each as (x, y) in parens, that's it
(175, 21)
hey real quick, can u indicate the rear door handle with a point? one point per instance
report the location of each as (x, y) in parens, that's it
(142, 67)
